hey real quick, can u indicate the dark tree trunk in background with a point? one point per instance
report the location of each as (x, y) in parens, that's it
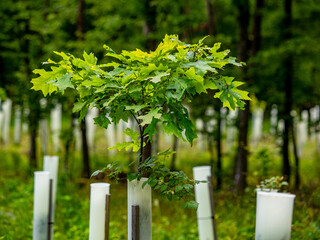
(256, 30)
(85, 151)
(85, 148)
(297, 161)
(286, 171)
(242, 152)
(243, 49)
(212, 23)
(69, 140)
(212, 30)
(219, 149)
(33, 98)
(80, 20)
(45, 9)
(150, 22)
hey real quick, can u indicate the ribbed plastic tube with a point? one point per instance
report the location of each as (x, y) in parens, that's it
(142, 197)
(274, 215)
(204, 218)
(98, 192)
(41, 205)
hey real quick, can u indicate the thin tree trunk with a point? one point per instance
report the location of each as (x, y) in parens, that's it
(145, 148)
(174, 156)
(149, 28)
(243, 48)
(297, 162)
(68, 144)
(286, 170)
(85, 151)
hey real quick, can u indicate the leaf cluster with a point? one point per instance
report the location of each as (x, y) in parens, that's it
(148, 86)
(274, 183)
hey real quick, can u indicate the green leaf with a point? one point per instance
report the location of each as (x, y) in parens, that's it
(153, 182)
(179, 188)
(147, 119)
(102, 121)
(202, 67)
(90, 58)
(157, 78)
(132, 176)
(136, 108)
(132, 134)
(78, 106)
(232, 60)
(63, 83)
(191, 204)
(198, 80)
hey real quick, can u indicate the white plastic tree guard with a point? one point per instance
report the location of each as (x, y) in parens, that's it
(204, 212)
(110, 134)
(41, 205)
(44, 128)
(17, 125)
(77, 134)
(201, 140)
(56, 126)
(7, 106)
(143, 198)
(274, 215)
(98, 192)
(274, 119)
(25, 126)
(257, 122)
(51, 164)
(91, 127)
(1, 120)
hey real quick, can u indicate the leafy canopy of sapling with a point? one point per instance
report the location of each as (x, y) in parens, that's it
(274, 183)
(147, 86)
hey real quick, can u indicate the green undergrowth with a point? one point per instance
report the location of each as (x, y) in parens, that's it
(235, 213)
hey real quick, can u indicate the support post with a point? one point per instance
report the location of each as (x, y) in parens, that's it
(212, 207)
(50, 222)
(135, 222)
(107, 218)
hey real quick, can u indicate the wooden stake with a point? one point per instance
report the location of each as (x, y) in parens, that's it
(212, 208)
(50, 223)
(107, 221)
(135, 222)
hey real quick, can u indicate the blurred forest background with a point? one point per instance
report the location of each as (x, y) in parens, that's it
(279, 41)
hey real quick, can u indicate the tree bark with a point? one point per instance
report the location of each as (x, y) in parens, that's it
(296, 157)
(80, 20)
(150, 22)
(174, 156)
(243, 49)
(33, 99)
(256, 29)
(212, 22)
(242, 152)
(219, 150)
(85, 151)
(286, 170)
